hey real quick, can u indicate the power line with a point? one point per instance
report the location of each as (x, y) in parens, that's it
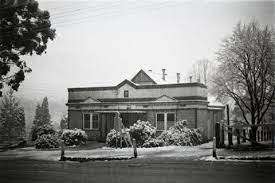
(60, 24)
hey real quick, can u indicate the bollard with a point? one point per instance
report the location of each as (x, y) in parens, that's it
(214, 148)
(135, 148)
(62, 154)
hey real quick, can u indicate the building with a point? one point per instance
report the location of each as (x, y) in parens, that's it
(99, 109)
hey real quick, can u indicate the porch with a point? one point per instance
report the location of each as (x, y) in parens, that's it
(117, 120)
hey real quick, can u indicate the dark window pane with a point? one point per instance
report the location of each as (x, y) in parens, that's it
(160, 117)
(95, 121)
(95, 117)
(86, 121)
(160, 121)
(126, 93)
(170, 117)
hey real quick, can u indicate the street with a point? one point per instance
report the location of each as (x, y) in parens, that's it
(161, 170)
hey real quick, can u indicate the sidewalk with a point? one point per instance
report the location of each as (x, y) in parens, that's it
(245, 152)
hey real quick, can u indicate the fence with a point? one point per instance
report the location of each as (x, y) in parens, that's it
(241, 133)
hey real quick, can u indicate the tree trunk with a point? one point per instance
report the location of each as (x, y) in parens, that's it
(253, 135)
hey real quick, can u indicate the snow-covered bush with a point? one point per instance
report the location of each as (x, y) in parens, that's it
(74, 137)
(154, 142)
(42, 130)
(142, 131)
(47, 141)
(117, 139)
(180, 135)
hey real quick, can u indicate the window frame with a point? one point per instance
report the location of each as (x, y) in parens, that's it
(165, 119)
(126, 92)
(91, 121)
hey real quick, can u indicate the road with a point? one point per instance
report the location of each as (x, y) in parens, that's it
(26, 170)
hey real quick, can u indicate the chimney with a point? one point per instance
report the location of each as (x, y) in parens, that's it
(190, 77)
(163, 74)
(178, 77)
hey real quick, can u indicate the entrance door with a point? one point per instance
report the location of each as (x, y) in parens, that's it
(107, 123)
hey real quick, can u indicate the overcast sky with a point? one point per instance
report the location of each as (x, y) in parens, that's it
(104, 42)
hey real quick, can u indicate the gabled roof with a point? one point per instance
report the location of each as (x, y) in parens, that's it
(126, 81)
(165, 98)
(143, 73)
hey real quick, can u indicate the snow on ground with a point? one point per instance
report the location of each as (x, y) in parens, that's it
(157, 152)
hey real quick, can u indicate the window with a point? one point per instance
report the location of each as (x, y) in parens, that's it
(95, 121)
(160, 122)
(171, 117)
(87, 121)
(165, 121)
(126, 93)
(91, 121)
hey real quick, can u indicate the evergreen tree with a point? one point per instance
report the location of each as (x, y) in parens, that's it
(37, 118)
(12, 117)
(45, 113)
(42, 114)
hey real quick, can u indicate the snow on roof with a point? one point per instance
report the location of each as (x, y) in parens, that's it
(213, 101)
(157, 77)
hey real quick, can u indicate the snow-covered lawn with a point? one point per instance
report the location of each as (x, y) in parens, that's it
(193, 152)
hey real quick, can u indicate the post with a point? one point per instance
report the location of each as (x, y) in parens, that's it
(62, 154)
(230, 143)
(230, 140)
(238, 136)
(214, 148)
(135, 148)
(244, 135)
(222, 137)
(217, 134)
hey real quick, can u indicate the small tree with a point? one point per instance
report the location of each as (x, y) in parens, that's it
(12, 117)
(244, 72)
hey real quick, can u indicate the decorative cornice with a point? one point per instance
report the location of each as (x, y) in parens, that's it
(175, 85)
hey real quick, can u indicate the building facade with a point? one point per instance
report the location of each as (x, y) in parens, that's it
(97, 110)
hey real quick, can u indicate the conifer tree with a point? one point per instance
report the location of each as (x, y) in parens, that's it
(12, 117)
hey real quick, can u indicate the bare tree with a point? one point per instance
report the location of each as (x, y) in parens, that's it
(200, 71)
(244, 72)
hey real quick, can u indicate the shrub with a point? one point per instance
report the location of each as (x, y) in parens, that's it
(74, 137)
(180, 135)
(47, 141)
(42, 130)
(142, 131)
(154, 142)
(114, 137)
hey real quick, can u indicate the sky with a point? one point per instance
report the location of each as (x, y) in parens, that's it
(101, 43)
